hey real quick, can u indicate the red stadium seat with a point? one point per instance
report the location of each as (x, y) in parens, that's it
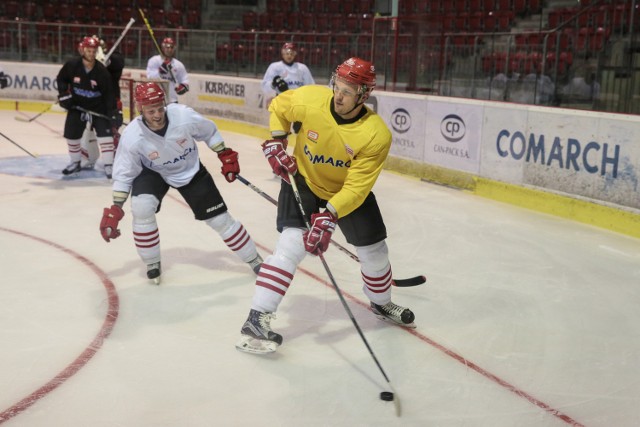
(180, 5)
(249, 20)
(193, 18)
(174, 18)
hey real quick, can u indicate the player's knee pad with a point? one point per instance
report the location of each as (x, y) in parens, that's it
(143, 208)
(290, 247)
(373, 257)
(222, 223)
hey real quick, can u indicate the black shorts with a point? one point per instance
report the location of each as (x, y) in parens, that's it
(201, 193)
(74, 126)
(362, 227)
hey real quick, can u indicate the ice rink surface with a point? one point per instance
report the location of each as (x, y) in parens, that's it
(526, 319)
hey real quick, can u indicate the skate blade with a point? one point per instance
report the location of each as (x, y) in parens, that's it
(156, 281)
(411, 325)
(251, 345)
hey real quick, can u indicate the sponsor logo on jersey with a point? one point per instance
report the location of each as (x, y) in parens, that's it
(182, 141)
(312, 135)
(76, 79)
(180, 158)
(321, 159)
(349, 150)
(153, 156)
(94, 83)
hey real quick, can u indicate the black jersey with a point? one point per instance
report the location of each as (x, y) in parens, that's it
(115, 67)
(92, 90)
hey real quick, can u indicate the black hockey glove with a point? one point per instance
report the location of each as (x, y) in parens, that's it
(4, 80)
(66, 101)
(279, 84)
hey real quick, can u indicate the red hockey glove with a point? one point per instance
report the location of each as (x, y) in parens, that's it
(166, 67)
(281, 163)
(230, 166)
(109, 224)
(316, 240)
(182, 89)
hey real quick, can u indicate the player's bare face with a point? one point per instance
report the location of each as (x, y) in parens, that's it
(154, 116)
(89, 54)
(288, 55)
(345, 97)
(168, 50)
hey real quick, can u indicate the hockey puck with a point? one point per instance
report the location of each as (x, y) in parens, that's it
(387, 396)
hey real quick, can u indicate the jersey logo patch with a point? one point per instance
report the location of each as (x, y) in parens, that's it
(312, 135)
(154, 155)
(182, 142)
(349, 150)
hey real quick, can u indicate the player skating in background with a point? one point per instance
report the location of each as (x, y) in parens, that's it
(284, 75)
(115, 65)
(339, 154)
(158, 151)
(4, 80)
(83, 82)
(167, 67)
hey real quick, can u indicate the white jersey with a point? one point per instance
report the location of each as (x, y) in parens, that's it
(174, 156)
(179, 71)
(296, 75)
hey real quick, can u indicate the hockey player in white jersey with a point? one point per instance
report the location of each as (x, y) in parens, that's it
(284, 75)
(158, 151)
(167, 67)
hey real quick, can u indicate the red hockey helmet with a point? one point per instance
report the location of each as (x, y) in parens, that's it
(289, 46)
(358, 71)
(149, 93)
(89, 41)
(168, 42)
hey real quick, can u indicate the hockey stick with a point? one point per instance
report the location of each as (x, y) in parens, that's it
(115, 45)
(401, 283)
(396, 399)
(22, 119)
(155, 42)
(17, 145)
(93, 113)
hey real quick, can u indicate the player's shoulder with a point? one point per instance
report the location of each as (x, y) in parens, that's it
(180, 113)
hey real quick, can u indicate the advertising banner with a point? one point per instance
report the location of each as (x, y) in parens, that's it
(578, 152)
(405, 118)
(453, 134)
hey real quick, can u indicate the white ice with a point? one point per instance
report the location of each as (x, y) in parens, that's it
(526, 319)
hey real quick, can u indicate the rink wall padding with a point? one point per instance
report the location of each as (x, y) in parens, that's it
(575, 164)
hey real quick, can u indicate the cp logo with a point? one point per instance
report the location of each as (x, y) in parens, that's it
(452, 128)
(401, 120)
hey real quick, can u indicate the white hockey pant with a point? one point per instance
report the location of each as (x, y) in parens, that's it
(376, 272)
(145, 228)
(277, 271)
(234, 235)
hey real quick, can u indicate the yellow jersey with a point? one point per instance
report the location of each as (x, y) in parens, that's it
(339, 159)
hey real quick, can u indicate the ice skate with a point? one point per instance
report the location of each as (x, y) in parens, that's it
(255, 264)
(257, 336)
(153, 272)
(87, 166)
(108, 170)
(73, 167)
(394, 313)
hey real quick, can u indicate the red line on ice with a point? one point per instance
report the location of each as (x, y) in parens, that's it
(89, 352)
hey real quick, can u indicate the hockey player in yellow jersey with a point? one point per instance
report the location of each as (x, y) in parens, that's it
(338, 156)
